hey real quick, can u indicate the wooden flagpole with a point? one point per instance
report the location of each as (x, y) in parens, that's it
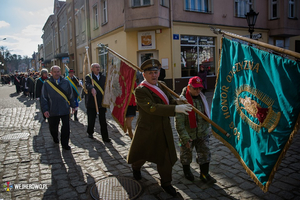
(171, 91)
(89, 66)
(262, 44)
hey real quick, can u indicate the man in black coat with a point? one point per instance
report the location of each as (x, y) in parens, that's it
(75, 84)
(96, 89)
(17, 82)
(56, 100)
(31, 86)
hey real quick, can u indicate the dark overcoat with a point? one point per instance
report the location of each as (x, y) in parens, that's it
(153, 134)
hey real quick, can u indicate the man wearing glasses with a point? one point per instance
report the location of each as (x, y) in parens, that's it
(194, 131)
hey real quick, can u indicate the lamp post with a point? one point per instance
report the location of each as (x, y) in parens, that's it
(251, 20)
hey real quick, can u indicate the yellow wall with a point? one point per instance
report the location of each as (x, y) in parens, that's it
(126, 44)
(204, 30)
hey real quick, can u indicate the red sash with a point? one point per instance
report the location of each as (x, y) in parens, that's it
(157, 91)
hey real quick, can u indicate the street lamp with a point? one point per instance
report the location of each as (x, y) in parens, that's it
(251, 20)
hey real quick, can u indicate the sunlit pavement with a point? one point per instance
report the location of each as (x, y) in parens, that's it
(29, 156)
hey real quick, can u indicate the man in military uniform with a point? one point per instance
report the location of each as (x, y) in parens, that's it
(194, 131)
(153, 138)
(95, 88)
(74, 83)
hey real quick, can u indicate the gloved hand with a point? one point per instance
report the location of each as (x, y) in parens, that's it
(184, 108)
(182, 98)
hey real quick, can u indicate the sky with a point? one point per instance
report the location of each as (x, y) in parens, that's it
(21, 23)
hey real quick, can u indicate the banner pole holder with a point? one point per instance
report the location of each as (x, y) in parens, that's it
(170, 91)
(262, 44)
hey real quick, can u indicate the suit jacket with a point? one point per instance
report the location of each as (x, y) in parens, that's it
(89, 98)
(53, 102)
(153, 134)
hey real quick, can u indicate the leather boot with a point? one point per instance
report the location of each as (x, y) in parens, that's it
(204, 175)
(75, 115)
(187, 172)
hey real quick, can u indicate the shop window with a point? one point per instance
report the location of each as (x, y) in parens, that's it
(242, 7)
(197, 51)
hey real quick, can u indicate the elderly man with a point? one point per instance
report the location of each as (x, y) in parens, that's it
(56, 100)
(153, 138)
(95, 84)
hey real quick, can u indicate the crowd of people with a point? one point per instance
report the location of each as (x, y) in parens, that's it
(152, 139)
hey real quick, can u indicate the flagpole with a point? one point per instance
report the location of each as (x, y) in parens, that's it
(74, 76)
(269, 46)
(172, 92)
(95, 98)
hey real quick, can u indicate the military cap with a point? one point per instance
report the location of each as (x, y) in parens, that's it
(150, 65)
(71, 70)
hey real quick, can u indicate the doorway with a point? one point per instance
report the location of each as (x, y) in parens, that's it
(145, 55)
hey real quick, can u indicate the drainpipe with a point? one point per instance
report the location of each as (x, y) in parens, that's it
(171, 38)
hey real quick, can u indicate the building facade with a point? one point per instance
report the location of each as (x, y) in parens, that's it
(176, 32)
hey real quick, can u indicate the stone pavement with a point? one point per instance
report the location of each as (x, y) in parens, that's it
(35, 159)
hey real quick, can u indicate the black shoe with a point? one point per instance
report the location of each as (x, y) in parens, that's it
(207, 179)
(66, 147)
(107, 140)
(187, 172)
(90, 136)
(55, 140)
(170, 190)
(137, 175)
(76, 119)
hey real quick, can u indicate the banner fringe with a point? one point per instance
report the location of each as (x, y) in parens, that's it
(264, 188)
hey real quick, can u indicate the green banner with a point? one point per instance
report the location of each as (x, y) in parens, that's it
(257, 101)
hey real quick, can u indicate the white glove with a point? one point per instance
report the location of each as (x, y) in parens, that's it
(182, 98)
(184, 108)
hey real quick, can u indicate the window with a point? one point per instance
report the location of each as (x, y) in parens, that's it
(104, 6)
(242, 7)
(137, 3)
(197, 5)
(196, 51)
(102, 56)
(292, 9)
(274, 9)
(82, 15)
(95, 14)
(70, 28)
(76, 24)
(164, 3)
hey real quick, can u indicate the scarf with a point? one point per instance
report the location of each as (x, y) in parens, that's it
(192, 114)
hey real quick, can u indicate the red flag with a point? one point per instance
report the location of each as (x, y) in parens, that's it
(119, 85)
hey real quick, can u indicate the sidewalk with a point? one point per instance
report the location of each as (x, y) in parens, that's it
(35, 159)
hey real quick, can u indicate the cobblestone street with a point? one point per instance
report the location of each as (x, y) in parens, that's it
(29, 156)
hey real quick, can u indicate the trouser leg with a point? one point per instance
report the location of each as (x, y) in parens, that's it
(103, 124)
(91, 115)
(165, 170)
(53, 126)
(65, 130)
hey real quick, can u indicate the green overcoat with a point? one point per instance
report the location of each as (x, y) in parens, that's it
(153, 134)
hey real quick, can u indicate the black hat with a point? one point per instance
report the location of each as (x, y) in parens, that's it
(150, 65)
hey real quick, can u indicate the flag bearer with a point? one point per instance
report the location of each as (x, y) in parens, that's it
(74, 83)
